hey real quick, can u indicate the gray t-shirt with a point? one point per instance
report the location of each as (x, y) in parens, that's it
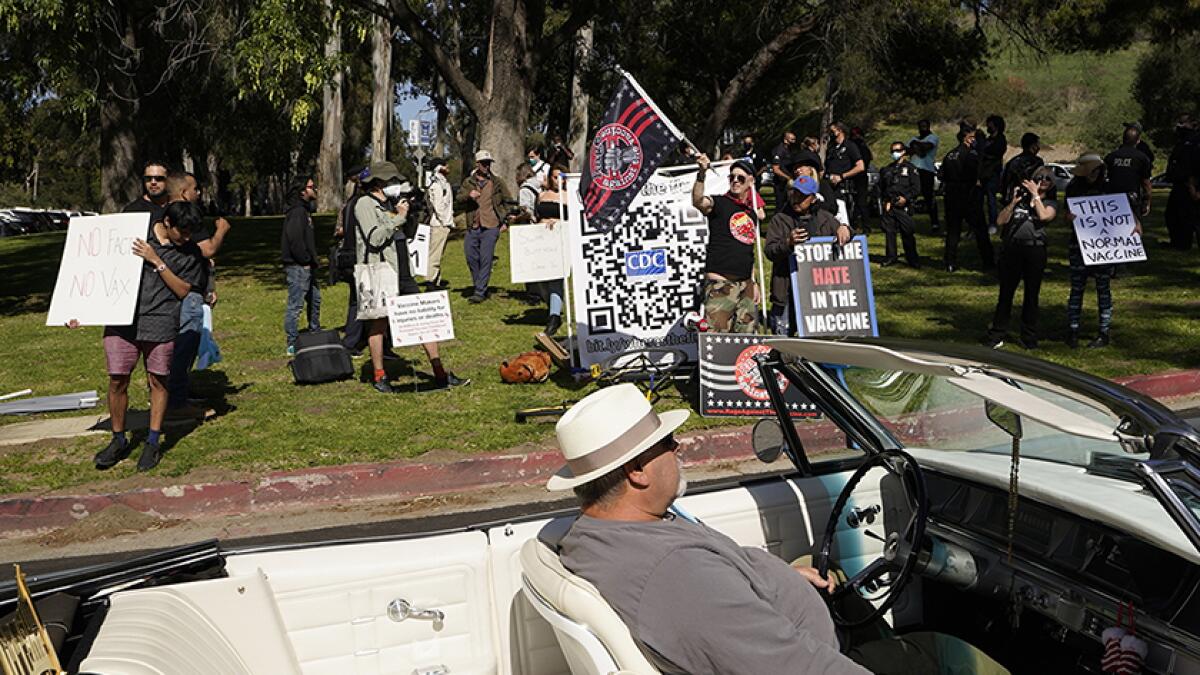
(699, 603)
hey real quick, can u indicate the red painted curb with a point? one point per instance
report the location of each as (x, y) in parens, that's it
(328, 485)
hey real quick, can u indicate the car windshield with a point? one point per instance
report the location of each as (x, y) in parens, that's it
(930, 412)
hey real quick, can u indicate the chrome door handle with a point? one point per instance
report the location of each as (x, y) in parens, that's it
(401, 609)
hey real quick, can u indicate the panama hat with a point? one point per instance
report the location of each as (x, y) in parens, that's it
(607, 429)
(1086, 164)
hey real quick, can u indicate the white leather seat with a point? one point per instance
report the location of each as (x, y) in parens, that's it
(229, 626)
(593, 638)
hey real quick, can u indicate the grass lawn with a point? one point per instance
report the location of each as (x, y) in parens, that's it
(266, 423)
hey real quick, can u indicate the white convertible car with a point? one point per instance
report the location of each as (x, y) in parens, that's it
(1047, 516)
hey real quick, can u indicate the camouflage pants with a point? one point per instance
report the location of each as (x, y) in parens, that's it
(729, 306)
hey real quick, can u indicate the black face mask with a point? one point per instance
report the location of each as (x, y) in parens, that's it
(310, 205)
(832, 139)
(746, 147)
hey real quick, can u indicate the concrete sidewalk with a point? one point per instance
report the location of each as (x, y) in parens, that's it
(24, 516)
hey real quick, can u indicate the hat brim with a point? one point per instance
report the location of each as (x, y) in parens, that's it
(565, 479)
(1083, 169)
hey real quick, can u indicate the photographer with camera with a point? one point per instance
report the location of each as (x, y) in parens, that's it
(482, 196)
(379, 215)
(1023, 255)
(900, 184)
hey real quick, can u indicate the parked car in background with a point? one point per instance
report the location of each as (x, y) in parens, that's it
(20, 220)
(1062, 175)
(1160, 182)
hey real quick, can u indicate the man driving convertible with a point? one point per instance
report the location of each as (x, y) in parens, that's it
(695, 601)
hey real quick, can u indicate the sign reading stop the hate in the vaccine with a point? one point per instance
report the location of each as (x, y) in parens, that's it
(99, 275)
(420, 318)
(831, 288)
(1104, 226)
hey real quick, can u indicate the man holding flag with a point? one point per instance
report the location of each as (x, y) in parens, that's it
(730, 294)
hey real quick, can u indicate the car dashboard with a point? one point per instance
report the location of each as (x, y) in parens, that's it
(1073, 571)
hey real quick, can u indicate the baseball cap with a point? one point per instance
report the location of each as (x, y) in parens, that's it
(806, 185)
(1133, 125)
(483, 156)
(743, 165)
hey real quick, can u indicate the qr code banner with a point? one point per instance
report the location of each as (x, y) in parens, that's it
(634, 285)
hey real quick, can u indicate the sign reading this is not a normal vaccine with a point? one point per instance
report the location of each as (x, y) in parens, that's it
(1106, 230)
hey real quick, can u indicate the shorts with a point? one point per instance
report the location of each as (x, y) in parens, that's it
(122, 355)
(729, 306)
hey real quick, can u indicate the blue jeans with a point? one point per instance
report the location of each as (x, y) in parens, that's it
(302, 288)
(187, 343)
(480, 247)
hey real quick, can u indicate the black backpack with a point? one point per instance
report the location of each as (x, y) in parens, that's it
(320, 357)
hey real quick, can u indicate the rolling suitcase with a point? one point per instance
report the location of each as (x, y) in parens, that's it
(320, 357)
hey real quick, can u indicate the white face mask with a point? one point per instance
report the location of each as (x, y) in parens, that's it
(393, 191)
(897, 155)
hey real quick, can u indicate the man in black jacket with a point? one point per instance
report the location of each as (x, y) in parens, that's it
(299, 254)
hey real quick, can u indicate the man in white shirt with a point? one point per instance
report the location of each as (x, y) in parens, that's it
(441, 221)
(922, 150)
(540, 167)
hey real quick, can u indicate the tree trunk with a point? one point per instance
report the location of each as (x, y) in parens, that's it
(577, 128)
(382, 96)
(329, 162)
(247, 205)
(827, 108)
(119, 149)
(212, 184)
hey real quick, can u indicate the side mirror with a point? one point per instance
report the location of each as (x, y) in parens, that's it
(1004, 418)
(768, 441)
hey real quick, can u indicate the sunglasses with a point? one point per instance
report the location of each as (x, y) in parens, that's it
(151, 179)
(1045, 179)
(736, 178)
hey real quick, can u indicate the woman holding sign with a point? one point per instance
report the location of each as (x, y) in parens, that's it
(1023, 255)
(548, 211)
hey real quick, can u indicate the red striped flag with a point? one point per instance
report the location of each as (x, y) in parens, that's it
(633, 140)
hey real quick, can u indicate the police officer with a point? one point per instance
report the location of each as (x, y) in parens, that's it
(899, 184)
(964, 201)
(1129, 171)
(1142, 144)
(843, 162)
(862, 183)
(781, 162)
(1182, 217)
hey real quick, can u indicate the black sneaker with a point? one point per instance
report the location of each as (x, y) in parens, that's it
(993, 342)
(384, 386)
(888, 262)
(476, 299)
(451, 380)
(1100, 341)
(1073, 339)
(114, 453)
(553, 324)
(151, 454)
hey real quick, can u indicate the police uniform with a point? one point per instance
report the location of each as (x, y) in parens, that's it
(729, 302)
(964, 201)
(840, 158)
(1183, 214)
(899, 180)
(1128, 169)
(783, 157)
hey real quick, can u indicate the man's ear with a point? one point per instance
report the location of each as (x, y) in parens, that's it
(635, 473)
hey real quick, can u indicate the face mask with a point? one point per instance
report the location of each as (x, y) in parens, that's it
(832, 139)
(392, 191)
(897, 155)
(532, 161)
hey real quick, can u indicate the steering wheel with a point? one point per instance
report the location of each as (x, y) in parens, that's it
(901, 548)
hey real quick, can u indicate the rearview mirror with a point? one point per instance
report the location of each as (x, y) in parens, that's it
(1004, 418)
(767, 439)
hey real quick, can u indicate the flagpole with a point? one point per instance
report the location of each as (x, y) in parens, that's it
(758, 245)
(564, 223)
(650, 102)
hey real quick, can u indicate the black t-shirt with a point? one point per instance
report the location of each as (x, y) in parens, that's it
(1018, 170)
(732, 228)
(782, 156)
(991, 156)
(960, 167)
(142, 205)
(841, 157)
(157, 316)
(1025, 225)
(1128, 167)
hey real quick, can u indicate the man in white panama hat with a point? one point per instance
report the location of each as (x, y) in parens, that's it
(694, 600)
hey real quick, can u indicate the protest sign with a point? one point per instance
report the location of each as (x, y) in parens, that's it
(634, 284)
(538, 253)
(731, 384)
(99, 276)
(420, 318)
(831, 288)
(1104, 227)
(418, 252)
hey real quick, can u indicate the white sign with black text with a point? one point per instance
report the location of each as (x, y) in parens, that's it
(99, 276)
(418, 251)
(420, 318)
(1105, 228)
(538, 252)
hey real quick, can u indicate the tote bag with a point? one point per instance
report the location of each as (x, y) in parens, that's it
(375, 281)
